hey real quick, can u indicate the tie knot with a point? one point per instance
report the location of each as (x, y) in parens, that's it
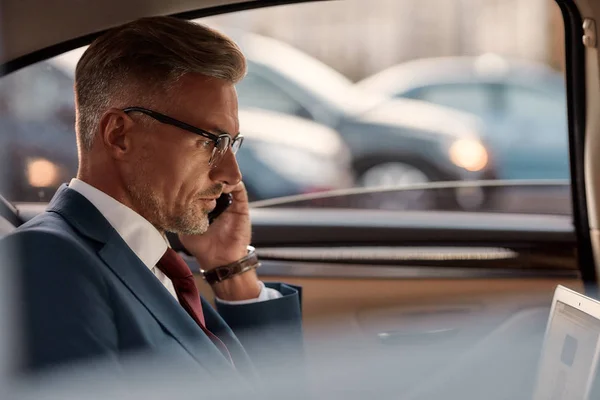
(173, 266)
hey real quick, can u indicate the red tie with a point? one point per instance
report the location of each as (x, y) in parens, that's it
(173, 266)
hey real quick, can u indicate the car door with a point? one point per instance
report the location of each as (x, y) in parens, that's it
(483, 100)
(382, 279)
(381, 283)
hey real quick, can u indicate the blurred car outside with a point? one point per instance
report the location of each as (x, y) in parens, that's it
(282, 155)
(522, 103)
(393, 144)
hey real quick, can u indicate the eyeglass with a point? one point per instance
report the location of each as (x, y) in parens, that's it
(222, 142)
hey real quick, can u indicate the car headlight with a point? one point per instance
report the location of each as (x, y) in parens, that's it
(469, 154)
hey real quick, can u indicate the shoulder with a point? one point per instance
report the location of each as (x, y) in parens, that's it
(46, 221)
(47, 233)
(47, 246)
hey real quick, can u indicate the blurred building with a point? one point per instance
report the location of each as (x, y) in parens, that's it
(359, 38)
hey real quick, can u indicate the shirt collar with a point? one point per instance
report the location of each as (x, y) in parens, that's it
(139, 234)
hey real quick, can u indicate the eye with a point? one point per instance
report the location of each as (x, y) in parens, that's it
(206, 144)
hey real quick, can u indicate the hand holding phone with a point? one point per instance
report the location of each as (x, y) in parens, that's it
(223, 202)
(225, 241)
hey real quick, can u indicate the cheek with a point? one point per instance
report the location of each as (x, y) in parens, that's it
(192, 177)
(179, 171)
(164, 172)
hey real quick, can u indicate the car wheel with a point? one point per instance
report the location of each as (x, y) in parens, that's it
(389, 174)
(398, 174)
(392, 174)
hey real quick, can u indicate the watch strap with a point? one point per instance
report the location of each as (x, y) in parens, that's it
(219, 274)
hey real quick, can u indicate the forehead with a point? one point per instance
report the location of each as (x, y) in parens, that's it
(205, 102)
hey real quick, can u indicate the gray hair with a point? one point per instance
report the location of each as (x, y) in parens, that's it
(142, 60)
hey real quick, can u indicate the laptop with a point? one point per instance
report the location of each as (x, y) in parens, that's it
(569, 361)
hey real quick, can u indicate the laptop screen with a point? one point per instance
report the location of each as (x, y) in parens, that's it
(569, 355)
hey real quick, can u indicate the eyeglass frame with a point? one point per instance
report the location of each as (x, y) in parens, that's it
(165, 119)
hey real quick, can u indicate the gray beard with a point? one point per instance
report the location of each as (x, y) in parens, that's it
(149, 206)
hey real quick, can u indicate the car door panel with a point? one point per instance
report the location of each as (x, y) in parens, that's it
(430, 294)
(373, 306)
(427, 323)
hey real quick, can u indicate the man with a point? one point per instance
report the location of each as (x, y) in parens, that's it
(157, 129)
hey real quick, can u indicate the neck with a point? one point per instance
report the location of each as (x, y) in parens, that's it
(106, 181)
(112, 184)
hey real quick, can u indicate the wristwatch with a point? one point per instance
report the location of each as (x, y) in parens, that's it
(219, 274)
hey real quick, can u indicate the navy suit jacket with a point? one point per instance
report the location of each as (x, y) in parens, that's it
(86, 294)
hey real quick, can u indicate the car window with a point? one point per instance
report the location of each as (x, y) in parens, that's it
(37, 138)
(543, 113)
(38, 93)
(535, 106)
(255, 91)
(309, 129)
(471, 98)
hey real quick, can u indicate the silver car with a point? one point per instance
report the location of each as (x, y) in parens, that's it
(393, 143)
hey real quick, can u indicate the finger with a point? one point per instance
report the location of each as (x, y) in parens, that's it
(239, 193)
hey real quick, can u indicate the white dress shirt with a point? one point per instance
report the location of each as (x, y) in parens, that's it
(143, 238)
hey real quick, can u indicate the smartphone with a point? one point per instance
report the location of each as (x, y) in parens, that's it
(222, 203)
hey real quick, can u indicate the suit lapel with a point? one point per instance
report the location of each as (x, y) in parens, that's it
(150, 292)
(125, 264)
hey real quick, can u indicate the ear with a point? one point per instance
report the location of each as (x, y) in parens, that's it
(116, 133)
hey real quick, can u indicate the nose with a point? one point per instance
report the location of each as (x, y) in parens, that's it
(227, 171)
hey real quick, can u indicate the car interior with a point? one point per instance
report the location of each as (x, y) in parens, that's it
(455, 297)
